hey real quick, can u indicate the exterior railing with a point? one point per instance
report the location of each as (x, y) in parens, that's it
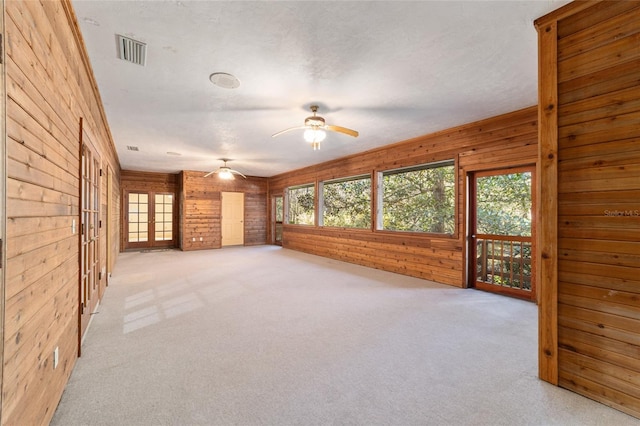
(504, 260)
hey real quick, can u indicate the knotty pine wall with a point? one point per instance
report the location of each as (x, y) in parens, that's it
(590, 117)
(50, 87)
(505, 141)
(201, 209)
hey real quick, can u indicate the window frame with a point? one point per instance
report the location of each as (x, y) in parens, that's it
(379, 197)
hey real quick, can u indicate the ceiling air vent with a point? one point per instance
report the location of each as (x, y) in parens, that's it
(131, 50)
(132, 148)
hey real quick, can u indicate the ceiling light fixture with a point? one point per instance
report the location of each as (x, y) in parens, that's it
(314, 136)
(225, 172)
(315, 129)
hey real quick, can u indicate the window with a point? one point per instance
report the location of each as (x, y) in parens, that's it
(301, 204)
(347, 202)
(419, 199)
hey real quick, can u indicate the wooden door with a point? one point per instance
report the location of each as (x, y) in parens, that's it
(149, 220)
(502, 232)
(232, 218)
(277, 219)
(89, 237)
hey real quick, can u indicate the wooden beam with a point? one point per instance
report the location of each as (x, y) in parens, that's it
(547, 196)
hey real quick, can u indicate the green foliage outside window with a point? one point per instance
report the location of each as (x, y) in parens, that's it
(420, 199)
(504, 204)
(279, 209)
(301, 205)
(347, 203)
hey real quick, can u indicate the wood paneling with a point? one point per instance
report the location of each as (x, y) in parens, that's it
(597, 54)
(201, 209)
(148, 181)
(509, 140)
(50, 88)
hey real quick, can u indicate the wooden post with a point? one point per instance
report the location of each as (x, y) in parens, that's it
(547, 196)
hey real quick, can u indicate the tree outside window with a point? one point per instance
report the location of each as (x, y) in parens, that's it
(301, 204)
(347, 203)
(504, 204)
(419, 199)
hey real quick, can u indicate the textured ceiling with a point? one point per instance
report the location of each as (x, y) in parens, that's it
(392, 70)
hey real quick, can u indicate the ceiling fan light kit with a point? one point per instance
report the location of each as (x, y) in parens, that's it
(225, 172)
(315, 129)
(314, 137)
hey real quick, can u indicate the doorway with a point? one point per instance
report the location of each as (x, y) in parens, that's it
(149, 220)
(277, 219)
(232, 220)
(502, 231)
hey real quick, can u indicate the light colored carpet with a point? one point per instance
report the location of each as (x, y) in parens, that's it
(268, 336)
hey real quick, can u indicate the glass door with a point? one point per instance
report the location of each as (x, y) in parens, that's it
(89, 237)
(163, 213)
(502, 231)
(277, 213)
(149, 220)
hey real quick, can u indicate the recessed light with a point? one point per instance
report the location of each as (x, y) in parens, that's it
(224, 80)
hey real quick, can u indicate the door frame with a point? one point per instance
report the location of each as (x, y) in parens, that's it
(109, 224)
(472, 280)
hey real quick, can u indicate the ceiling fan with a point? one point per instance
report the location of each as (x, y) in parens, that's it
(225, 172)
(315, 127)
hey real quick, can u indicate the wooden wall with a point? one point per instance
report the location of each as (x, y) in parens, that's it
(200, 209)
(506, 141)
(50, 87)
(143, 182)
(590, 111)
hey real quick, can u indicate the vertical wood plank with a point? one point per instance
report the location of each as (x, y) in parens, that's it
(547, 197)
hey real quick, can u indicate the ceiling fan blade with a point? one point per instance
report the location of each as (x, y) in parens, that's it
(210, 173)
(342, 130)
(237, 173)
(288, 130)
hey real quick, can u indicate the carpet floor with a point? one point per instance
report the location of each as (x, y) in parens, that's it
(269, 336)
